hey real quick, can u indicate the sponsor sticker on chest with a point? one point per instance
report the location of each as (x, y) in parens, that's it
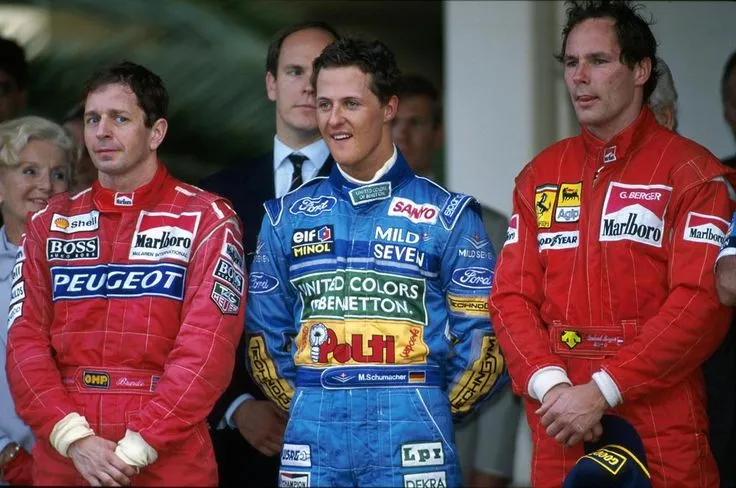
(70, 224)
(634, 213)
(419, 213)
(163, 235)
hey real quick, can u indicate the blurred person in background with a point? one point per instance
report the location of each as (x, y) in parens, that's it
(486, 442)
(600, 298)
(85, 172)
(132, 303)
(247, 428)
(13, 79)
(728, 99)
(36, 159)
(663, 100)
(720, 369)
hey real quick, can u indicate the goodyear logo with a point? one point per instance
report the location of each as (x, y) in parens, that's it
(544, 205)
(96, 379)
(570, 338)
(610, 460)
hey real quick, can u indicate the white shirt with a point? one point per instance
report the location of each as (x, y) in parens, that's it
(283, 169)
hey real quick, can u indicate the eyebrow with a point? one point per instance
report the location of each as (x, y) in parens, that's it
(109, 112)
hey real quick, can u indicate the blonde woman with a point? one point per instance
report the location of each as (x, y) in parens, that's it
(36, 160)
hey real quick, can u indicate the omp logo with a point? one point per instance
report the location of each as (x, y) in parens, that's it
(308, 242)
(75, 223)
(434, 479)
(473, 278)
(544, 205)
(557, 240)
(293, 479)
(512, 233)
(162, 235)
(73, 249)
(635, 213)
(422, 454)
(296, 455)
(313, 206)
(704, 228)
(118, 281)
(96, 379)
(417, 213)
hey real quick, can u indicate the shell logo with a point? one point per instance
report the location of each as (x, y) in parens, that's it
(61, 223)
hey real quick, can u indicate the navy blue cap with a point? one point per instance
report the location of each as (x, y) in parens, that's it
(617, 460)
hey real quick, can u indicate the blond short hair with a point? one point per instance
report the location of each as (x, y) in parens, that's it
(15, 134)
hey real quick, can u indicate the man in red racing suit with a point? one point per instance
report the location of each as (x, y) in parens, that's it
(125, 315)
(606, 274)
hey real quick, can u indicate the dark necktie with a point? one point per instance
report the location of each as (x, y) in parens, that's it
(296, 177)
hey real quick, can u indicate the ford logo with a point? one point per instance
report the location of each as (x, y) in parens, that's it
(261, 283)
(313, 206)
(475, 278)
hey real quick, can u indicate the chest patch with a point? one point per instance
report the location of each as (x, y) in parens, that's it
(162, 235)
(634, 213)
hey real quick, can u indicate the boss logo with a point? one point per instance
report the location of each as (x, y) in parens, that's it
(73, 249)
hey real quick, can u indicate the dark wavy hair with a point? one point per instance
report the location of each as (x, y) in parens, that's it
(148, 88)
(635, 37)
(371, 57)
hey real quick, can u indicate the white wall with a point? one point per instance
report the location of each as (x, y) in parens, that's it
(505, 99)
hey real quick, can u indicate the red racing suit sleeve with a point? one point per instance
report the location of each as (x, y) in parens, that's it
(200, 364)
(691, 323)
(518, 292)
(33, 375)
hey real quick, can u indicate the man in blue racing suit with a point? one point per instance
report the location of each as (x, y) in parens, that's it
(367, 313)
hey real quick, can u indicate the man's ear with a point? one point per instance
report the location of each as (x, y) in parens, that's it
(271, 86)
(158, 132)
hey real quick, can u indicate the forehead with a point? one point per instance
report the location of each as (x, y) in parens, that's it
(303, 46)
(111, 97)
(343, 82)
(592, 35)
(415, 105)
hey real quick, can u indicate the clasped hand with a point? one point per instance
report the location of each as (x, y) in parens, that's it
(572, 414)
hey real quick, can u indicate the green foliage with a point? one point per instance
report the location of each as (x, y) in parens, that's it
(210, 54)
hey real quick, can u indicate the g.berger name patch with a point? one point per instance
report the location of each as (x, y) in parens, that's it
(635, 213)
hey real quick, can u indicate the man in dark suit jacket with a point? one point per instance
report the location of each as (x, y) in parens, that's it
(246, 429)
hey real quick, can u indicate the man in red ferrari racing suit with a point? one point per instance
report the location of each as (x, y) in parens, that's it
(604, 294)
(127, 306)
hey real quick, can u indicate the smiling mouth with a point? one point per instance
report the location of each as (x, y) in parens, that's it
(341, 137)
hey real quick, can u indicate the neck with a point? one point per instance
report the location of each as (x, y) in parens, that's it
(367, 169)
(606, 132)
(133, 179)
(296, 139)
(13, 229)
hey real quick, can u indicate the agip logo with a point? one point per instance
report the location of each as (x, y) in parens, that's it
(544, 205)
(635, 213)
(569, 200)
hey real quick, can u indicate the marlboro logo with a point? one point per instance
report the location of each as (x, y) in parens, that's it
(635, 213)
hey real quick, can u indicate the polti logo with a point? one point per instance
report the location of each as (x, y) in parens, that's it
(635, 213)
(75, 223)
(512, 233)
(704, 228)
(162, 235)
(417, 213)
